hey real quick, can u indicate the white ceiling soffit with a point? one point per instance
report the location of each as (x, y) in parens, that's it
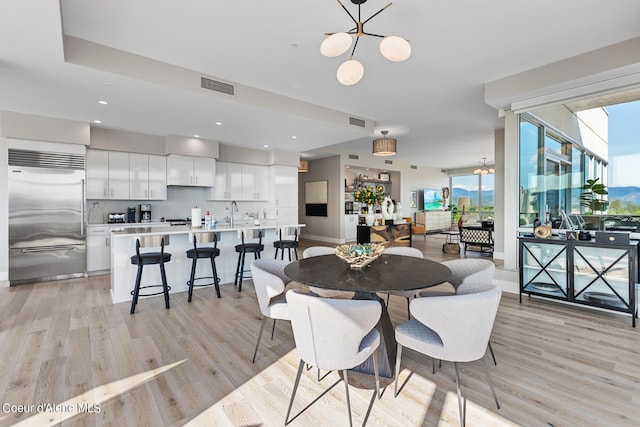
(606, 70)
(104, 58)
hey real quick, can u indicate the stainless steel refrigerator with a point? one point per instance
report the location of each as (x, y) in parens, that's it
(47, 238)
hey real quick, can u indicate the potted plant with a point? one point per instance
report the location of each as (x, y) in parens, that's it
(593, 195)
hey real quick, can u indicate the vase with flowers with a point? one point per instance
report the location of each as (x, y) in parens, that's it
(370, 197)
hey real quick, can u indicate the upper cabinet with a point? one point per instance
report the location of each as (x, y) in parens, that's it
(236, 181)
(107, 175)
(283, 181)
(191, 171)
(147, 177)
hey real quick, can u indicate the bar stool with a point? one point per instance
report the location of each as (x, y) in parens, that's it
(243, 249)
(150, 258)
(287, 244)
(204, 252)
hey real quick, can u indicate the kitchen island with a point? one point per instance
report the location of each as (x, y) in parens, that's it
(178, 239)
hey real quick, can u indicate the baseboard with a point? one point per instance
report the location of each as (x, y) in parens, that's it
(336, 241)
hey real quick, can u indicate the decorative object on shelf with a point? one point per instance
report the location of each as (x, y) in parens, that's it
(393, 48)
(592, 196)
(388, 209)
(445, 195)
(413, 199)
(484, 169)
(462, 202)
(543, 231)
(303, 166)
(369, 196)
(380, 188)
(358, 256)
(384, 177)
(370, 217)
(385, 146)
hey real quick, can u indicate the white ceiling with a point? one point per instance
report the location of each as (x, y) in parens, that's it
(433, 103)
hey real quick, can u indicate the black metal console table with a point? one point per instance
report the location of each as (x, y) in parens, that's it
(581, 272)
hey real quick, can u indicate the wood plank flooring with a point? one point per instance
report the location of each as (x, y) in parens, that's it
(64, 344)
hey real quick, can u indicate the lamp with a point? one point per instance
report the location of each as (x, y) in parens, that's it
(385, 146)
(484, 169)
(393, 48)
(464, 202)
(303, 166)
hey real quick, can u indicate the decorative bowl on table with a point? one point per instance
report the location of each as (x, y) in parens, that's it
(358, 256)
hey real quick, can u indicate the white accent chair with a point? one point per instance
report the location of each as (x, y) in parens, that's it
(469, 275)
(454, 328)
(269, 282)
(404, 251)
(333, 334)
(318, 251)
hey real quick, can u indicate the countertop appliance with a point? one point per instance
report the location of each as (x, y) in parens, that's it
(47, 239)
(116, 217)
(145, 212)
(131, 214)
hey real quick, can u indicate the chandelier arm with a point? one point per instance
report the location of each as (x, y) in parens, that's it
(374, 35)
(375, 14)
(349, 13)
(354, 47)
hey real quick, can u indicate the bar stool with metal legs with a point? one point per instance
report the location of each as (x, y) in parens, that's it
(287, 244)
(150, 258)
(243, 249)
(204, 252)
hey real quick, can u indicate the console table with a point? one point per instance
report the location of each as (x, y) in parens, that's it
(581, 272)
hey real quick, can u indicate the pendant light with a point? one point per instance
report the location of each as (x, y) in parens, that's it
(385, 146)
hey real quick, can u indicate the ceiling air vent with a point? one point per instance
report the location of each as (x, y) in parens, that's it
(357, 122)
(354, 156)
(388, 162)
(414, 167)
(217, 86)
(43, 159)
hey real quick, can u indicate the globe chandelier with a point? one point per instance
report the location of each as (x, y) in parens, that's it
(393, 48)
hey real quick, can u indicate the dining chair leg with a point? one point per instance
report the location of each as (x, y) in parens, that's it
(375, 372)
(408, 309)
(398, 356)
(461, 407)
(273, 328)
(433, 366)
(264, 320)
(346, 388)
(493, 391)
(293, 392)
(493, 356)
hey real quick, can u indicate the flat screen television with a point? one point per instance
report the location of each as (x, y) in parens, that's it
(432, 199)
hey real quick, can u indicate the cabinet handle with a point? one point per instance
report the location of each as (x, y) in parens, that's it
(106, 242)
(150, 193)
(104, 192)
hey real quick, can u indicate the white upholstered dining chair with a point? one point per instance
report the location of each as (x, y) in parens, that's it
(333, 334)
(269, 282)
(468, 275)
(319, 251)
(453, 328)
(404, 251)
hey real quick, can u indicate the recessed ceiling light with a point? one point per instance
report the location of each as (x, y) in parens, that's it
(97, 121)
(219, 123)
(196, 136)
(265, 146)
(294, 137)
(103, 102)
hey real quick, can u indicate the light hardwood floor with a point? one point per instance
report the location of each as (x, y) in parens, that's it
(64, 343)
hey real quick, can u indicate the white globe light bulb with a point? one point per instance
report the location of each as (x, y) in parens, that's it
(350, 72)
(336, 44)
(395, 48)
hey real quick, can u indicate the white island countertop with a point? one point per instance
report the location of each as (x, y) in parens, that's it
(179, 239)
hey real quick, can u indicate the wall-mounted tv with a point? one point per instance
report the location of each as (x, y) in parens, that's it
(432, 199)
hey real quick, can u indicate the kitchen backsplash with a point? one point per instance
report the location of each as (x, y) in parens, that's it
(179, 202)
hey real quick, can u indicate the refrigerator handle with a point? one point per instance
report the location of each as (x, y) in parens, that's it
(83, 206)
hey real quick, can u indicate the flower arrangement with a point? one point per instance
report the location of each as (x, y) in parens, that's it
(369, 196)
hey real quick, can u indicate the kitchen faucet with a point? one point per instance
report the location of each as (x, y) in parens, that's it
(234, 208)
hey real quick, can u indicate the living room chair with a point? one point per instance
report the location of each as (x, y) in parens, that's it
(453, 328)
(333, 334)
(415, 228)
(269, 282)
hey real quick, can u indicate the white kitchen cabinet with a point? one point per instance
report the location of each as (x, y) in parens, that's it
(255, 182)
(283, 183)
(107, 175)
(228, 185)
(147, 177)
(98, 249)
(350, 227)
(191, 171)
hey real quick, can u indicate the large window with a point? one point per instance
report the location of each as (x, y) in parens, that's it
(479, 190)
(552, 172)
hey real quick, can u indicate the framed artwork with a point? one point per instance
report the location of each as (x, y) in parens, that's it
(316, 197)
(413, 199)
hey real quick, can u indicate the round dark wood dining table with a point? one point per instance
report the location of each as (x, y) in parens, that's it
(386, 273)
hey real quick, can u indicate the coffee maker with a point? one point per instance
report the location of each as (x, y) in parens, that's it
(145, 212)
